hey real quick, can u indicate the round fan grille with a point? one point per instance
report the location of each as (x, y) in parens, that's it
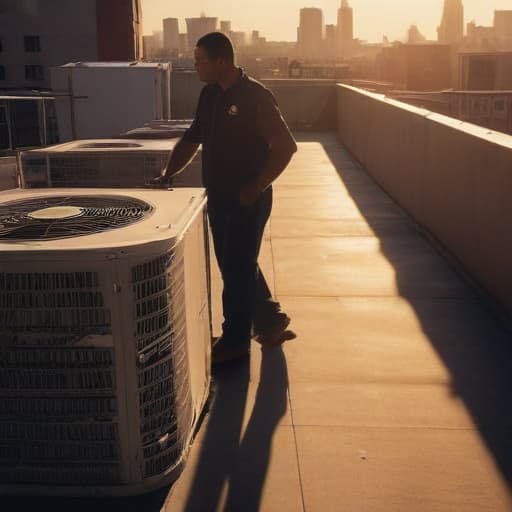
(49, 218)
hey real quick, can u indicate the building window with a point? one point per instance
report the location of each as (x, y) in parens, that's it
(34, 73)
(2, 72)
(32, 44)
(499, 105)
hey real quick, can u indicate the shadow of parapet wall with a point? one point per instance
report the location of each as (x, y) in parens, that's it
(473, 347)
(453, 178)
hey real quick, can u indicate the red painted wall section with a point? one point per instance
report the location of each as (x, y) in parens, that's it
(119, 30)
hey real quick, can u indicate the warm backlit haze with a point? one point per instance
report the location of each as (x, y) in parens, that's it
(278, 20)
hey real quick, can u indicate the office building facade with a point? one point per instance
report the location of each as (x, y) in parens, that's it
(38, 35)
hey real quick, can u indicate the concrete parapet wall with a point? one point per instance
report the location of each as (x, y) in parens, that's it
(306, 104)
(454, 178)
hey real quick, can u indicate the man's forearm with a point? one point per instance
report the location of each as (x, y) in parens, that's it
(277, 162)
(180, 157)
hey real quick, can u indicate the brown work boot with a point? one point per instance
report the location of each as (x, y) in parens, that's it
(277, 333)
(223, 352)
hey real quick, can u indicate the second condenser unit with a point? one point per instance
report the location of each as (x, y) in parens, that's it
(104, 163)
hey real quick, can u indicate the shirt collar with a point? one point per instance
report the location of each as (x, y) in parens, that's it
(240, 81)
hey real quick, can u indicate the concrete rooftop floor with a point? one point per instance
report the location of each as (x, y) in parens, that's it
(396, 394)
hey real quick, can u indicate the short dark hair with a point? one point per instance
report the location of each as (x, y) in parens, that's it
(218, 46)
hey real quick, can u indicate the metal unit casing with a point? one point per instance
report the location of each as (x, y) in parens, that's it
(102, 163)
(104, 344)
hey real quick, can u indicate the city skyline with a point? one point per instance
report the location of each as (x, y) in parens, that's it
(393, 22)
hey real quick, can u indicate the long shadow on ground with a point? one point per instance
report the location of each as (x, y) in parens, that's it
(233, 461)
(229, 454)
(473, 345)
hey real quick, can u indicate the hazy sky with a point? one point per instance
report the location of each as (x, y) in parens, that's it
(278, 19)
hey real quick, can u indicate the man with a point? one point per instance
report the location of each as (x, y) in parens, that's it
(246, 145)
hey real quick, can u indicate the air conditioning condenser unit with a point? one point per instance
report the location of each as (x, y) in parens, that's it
(104, 338)
(102, 163)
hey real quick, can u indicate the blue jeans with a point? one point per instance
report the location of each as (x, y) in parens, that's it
(246, 299)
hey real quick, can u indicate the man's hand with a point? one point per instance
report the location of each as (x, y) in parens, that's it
(249, 193)
(179, 158)
(161, 181)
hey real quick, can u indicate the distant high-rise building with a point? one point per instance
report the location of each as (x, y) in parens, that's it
(153, 45)
(256, 39)
(416, 67)
(237, 38)
(171, 34)
(345, 29)
(198, 27)
(310, 33)
(331, 41)
(503, 28)
(225, 27)
(150, 45)
(414, 36)
(330, 33)
(183, 47)
(480, 37)
(451, 29)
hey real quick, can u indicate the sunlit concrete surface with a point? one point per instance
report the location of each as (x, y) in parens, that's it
(395, 396)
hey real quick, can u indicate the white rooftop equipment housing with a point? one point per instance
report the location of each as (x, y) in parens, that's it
(159, 129)
(104, 163)
(105, 338)
(104, 99)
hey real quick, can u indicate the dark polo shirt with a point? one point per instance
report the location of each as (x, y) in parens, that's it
(237, 128)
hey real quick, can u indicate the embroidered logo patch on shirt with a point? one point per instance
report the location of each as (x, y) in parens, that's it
(233, 110)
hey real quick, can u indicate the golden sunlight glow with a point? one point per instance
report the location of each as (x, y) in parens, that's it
(372, 18)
